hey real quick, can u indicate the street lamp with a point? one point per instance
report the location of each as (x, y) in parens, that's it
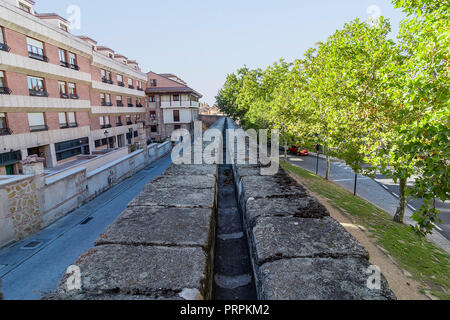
(106, 133)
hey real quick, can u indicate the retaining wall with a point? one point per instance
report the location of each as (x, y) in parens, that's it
(26, 206)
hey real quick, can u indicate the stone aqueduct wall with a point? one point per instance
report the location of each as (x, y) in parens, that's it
(162, 246)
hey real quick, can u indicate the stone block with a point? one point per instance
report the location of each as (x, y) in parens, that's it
(175, 197)
(161, 227)
(289, 237)
(190, 182)
(276, 186)
(189, 170)
(155, 272)
(297, 206)
(320, 279)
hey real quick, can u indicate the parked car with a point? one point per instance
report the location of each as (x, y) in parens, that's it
(298, 151)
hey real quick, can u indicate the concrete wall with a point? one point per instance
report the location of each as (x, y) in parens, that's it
(25, 208)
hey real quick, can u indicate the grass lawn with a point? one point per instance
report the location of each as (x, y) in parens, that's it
(427, 263)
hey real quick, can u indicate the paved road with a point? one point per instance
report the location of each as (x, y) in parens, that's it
(382, 191)
(26, 273)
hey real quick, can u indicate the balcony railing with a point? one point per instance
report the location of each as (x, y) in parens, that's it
(73, 124)
(37, 56)
(5, 90)
(74, 96)
(140, 89)
(119, 104)
(121, 84)
(64, 64)
(130, 86)
(4, 47)
(106, 104)
(38, 128)
(5, 131)
(64, 96)
(38, 93)
(74, 67)
(119, 124)
(106, 126)
(130, 105)
(139, 105)
(63, 126)
(129, 123)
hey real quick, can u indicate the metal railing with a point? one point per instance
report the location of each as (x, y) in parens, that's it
(4, 47)
(5, 131)
(39, 128)
(5, 90)
(38, 93)
(37, 56)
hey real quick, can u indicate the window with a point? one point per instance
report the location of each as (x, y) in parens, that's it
(152, 99)
(153, 82)
(154, 129)
(72, 119)
(102, 98)
(128, 119)
(119, 101)
(73, 61)
(176, 97)
(176, 115)
(63, 57)
(2, 120)
(3, 46)
(62, 120)
(36, 49)
(153, 115)
(73, 90)
(108, 98)
(177, 127)
(139, 85)
(103, 73)
(130, 83)
(120, 78)
(130, 102)
(62, 89)
(36, 86)
(2, 79)
(102, 121)
(24, 7)
(118, 121)
(36, 122)
(108, 75)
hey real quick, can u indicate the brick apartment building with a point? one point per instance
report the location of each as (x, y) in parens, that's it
(62, 95)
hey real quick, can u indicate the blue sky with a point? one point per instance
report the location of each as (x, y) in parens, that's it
(202, 41)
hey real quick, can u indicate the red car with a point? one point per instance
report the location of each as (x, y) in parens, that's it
(298, 151)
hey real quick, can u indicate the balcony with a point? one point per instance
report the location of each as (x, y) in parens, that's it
(119, 104)
(106, 126)
(74, 96)
(74, 67)
(119, 124)
(130, 105)
(5, 90)
(5, 131)
(37, 56)
(38, 128)
(4, 47)
(138, 105)
(121, 84)
(106, 104)
(140, 89)
(109, 81)
(63, 126)
(129, 123)
(64, 64)
(64, 96)
(73, 125)
(38, 93)
(130, 87)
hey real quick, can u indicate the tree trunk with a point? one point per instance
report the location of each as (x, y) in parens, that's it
(400, 214)
(327, 176)
(285, 152)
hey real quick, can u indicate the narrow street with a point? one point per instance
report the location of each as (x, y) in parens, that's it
(36, 264)
(382, 192)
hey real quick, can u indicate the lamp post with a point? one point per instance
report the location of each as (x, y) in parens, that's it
(106, 133)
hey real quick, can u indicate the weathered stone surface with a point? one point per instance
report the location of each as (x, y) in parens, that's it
(269, 187)
(245, 171)
(81, 296)
(192, 182)
(189, 170)
(301, 207)
(320, 279)
(157, 272)
(161, 227)
(289, 237)
(175, 197)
